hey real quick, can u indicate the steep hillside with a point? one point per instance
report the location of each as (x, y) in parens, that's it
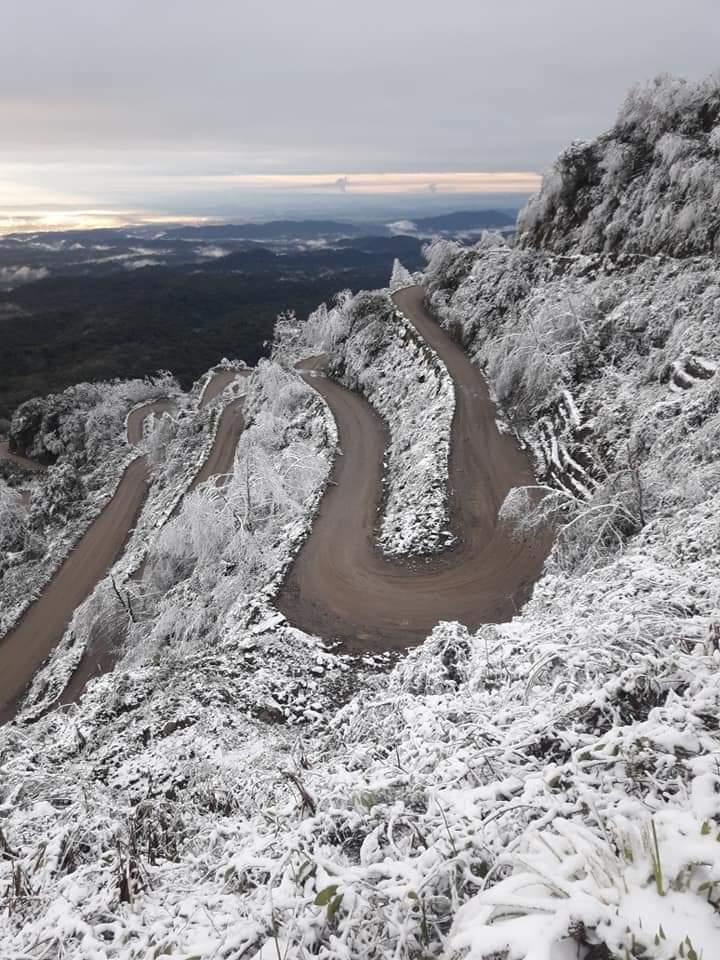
(649, 186)
(539, 789)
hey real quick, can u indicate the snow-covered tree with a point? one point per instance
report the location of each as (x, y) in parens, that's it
(12, 519)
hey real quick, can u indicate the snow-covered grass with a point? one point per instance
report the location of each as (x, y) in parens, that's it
(576, 727)
(545, 789)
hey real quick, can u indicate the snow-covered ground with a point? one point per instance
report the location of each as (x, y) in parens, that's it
(83, 431)
(544, 789)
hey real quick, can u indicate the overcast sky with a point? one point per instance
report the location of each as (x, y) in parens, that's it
(143, 101)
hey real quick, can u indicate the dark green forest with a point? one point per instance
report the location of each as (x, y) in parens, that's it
(67, 329)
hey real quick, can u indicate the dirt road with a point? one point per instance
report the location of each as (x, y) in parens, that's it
(27, 646)
(220, 380)
(138, 417)
(102, 654)
(341, 587)
(231, 425)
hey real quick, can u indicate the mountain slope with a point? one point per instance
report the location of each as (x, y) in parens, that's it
(546, 787)
(649, 186)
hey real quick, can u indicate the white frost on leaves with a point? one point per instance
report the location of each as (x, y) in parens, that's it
(641, 888)
(594, 201)
(541, 789)
(84, 428)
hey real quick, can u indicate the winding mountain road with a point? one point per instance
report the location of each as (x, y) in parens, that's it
(340, 585)
(102, 654)
(25, 648)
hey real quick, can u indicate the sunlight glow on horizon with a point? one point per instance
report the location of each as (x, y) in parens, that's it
(377, 183)
(46, 221)
(26, 208)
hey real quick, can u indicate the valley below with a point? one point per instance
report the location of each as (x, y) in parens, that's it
(394, 632)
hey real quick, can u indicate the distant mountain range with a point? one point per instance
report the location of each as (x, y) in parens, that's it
(272, 230)
(286, 230)
(90, 304)
(466, 221)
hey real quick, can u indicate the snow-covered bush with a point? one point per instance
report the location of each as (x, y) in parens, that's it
(59, 496)
(648, 186)
(530, 364)
(12, 520)
(226, 544)
(83, 421)
(371, 348)
(400, 277)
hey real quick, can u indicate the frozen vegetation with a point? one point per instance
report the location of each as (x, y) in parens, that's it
(544, 789)
(81, 435)
(651, 185)
(372, 349)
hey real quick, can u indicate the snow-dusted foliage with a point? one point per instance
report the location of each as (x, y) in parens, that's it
(238, 539)
(13, 525)
(373, 349)
(544, 789)
(211, 560)
(401, 277)
(81, 433)
(552, 746)
(83, 422)
(651, 185)
(638, 890)
(606, 370)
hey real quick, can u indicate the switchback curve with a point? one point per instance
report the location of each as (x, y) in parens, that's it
(341, 587)
(102, 655)
(28, 644)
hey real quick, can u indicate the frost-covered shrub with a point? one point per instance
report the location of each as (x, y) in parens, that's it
(59, 496)
(586, 531)
(199, 534)
(448, 263)
(159, 440)
(400, 277)
(500, 278)
(382, 357)
(648, 186)
(228, 543)
(12, 520)
(533, 361)
(83, 421)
